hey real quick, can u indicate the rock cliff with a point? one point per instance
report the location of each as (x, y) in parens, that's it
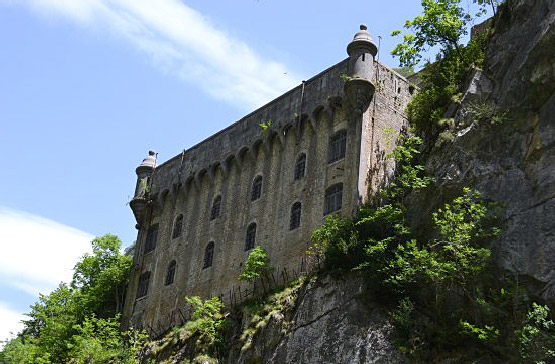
(334, 321)
(508, 150)
(505, 148)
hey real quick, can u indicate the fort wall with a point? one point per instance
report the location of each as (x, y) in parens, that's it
(303, 121)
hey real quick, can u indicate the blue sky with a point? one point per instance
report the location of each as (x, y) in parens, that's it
(87, 87)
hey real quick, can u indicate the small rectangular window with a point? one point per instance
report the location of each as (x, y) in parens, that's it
(300, 167)
(216, 205)
(142, 288)
(256, 191)
(251, 237)
(208, 255)
(170, 273)
(295, 220)
(151, 237)
(177, 226)
(337, 146)
(333, 199)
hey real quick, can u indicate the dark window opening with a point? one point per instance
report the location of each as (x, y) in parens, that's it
(151, 237)
(338, 144)
(177, 226)
(251, 237)
(300, 166)
(295, 220)
(142, 288)
(170, 273)
(334, 199)
(256, 188)
(208, 255)
(216, 205)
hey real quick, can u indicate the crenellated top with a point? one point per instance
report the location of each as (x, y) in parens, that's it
(348, 85)
(322, 93)
(303, 104)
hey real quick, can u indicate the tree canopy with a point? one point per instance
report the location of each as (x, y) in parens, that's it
(79, 322)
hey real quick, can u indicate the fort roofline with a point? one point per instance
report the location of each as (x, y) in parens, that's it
(261, 108)
(271, 103)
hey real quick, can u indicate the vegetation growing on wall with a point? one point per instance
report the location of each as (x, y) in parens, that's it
(274, 307)
(443, 291)
(199, 340)
(257, 265)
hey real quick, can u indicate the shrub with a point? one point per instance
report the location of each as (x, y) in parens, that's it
(258, 264)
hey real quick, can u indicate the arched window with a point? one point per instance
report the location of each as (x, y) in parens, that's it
(295, 220)
(208, 255)
(337, 147)
(300, 166)
(251, 237)
(151, 237)
(142, 288)
(334, 198)
(177, 226)
(256, 188)
(216, 205)
(170, 273)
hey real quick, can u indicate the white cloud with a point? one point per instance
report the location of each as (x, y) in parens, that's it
(182, 41)
(37, 253)
(11, 322)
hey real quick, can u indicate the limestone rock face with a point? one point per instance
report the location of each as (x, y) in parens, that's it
(334, 322)
(512, 162)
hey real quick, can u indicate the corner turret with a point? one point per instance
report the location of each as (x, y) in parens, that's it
(144, 172)
(359, 88)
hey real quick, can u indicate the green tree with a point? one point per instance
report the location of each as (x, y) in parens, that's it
(443, 23)
(208, 322)
(405, 71)
(99, 341)
(258, 264)
(537, 336)
(442, 26)
(52, 320)
(102, 277)
(66, 318)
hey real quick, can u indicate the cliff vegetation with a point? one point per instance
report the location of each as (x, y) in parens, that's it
(452, 262)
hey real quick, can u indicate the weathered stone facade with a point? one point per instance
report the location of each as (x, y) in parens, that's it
(357, 98)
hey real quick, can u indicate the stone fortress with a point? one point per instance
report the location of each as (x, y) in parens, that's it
(269, 179)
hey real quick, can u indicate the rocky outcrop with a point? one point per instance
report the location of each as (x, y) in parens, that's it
(334, 321)
(508, 152)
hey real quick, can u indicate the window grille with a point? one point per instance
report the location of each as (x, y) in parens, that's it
(337, 147)
(295, 221)
(142, 288)
(216, 205)
(151, 237)
(251, 237)
(256, 188)
(333, 199)
(177, 226)
(170, 273)
(300, 166)
(208, 255)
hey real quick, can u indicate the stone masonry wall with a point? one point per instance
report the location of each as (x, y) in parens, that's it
(226, 164)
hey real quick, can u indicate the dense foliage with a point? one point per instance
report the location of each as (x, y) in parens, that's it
(442, 290)
(257, 265)
(204, 334)
(79, 322)
(443, 25)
